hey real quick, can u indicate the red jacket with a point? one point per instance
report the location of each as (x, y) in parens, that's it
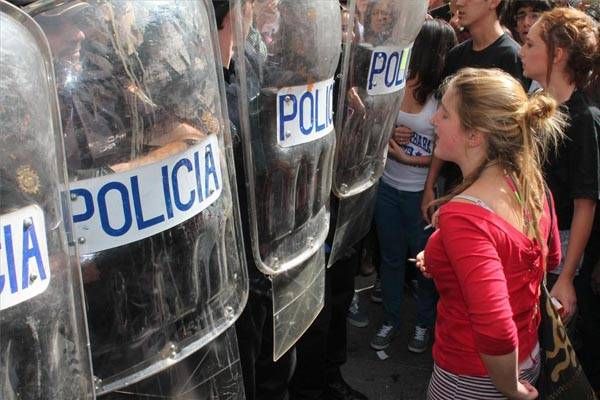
(488, 275)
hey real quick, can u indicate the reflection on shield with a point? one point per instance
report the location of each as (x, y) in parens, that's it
(43, 337)
(149, 171)
(287, 126)
(214, 372)
(377, 60)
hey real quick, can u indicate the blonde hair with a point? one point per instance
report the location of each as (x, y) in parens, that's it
(519, 130)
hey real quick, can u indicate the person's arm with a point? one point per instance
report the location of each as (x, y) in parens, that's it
(172, 139)
(397, 153)
(581, 228)
(504, 373)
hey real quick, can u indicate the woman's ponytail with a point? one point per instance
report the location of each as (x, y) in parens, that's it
(545, 122)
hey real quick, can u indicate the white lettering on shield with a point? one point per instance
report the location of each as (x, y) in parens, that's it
(304, 113)
(24, 261)
(118, 209)
(387, 73)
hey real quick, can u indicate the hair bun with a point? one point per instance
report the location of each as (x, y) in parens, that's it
(540, 108)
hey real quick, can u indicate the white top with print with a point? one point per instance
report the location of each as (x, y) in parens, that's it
(405, 177)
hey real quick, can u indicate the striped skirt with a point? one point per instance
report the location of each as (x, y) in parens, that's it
(445, 385)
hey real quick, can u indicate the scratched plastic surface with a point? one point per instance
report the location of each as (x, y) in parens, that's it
(287, 128)
(149, 161)
(212, 373)
(374, 87)
(43, 352)
(377, 65)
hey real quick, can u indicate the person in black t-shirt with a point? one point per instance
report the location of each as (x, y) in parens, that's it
(502, 53)
(562, 53)
(488, 47)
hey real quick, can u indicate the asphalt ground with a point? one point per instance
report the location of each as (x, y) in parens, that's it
(403, 375)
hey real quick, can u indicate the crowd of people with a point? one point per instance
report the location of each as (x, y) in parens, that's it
(485, 204)
(491, 181)
(509, 191)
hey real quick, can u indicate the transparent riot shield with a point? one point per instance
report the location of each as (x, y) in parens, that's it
(212, 373)
(149, 161)
(373, 87)
(286, 56)
(43, 333)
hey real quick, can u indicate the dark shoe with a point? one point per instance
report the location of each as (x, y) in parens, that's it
(384, 336)
(340, 390)
(420, 340)
(355, 316)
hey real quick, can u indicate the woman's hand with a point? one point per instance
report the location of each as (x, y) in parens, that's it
(564, 291)
(434, 218)
(421, 264)
(402, 134)
(355, 102)
(525, 391)
(397, 152)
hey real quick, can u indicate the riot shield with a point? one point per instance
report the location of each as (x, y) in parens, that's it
(212, 373)
(374, 84)
(43, 333)
(285, 59)
(149, 155)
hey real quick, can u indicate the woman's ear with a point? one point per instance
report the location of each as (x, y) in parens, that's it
(560, 56)
(474, 138)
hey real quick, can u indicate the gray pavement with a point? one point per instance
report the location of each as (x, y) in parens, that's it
(402, 376)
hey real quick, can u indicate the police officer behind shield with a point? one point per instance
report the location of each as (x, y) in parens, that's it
(43, 352)
(263, 378)
(88, 145)
(129, 100)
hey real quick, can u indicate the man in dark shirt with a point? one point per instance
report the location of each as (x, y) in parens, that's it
(488, 47)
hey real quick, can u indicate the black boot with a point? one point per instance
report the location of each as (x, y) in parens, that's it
(338, 389)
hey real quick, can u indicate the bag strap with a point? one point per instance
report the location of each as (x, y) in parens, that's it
(551, 209)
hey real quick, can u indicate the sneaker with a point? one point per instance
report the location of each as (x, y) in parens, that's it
(355, 316)
(384, 337)
(420, 340)
(376, 295)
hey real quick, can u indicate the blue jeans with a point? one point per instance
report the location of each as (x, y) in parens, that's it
(401, 236)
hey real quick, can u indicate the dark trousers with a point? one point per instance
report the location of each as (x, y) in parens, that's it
(589, 310)
(322, 349)
(263, 378)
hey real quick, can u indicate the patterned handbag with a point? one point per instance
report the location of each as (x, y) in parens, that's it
(561, 375)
